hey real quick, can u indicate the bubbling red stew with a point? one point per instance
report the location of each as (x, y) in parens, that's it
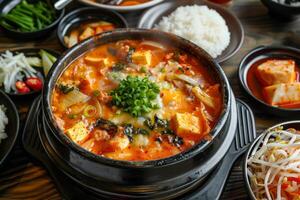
(136, 100)
(133, 2)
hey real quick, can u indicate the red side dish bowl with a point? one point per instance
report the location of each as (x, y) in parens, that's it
(271, 76)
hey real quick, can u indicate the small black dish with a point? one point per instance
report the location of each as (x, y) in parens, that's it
(264, 52)
(7, 5)
(78, 16)
(11, 129)
(31, 52)
(285, 125)
(152, 17)
(284, 10)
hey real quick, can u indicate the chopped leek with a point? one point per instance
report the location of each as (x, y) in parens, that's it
(203, 97)
(74, 97)
(90, 111)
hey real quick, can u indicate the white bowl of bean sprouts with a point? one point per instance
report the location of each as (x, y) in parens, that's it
(272, 165)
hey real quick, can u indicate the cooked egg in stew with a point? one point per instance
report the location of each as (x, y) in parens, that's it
(276, 82)
(136, 100)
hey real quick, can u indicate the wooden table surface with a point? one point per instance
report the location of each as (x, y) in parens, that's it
(22, 177)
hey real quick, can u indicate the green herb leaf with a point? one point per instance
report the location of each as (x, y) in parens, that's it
(135, 96)
(181, 69)
(96, 93)
(72, 116)
(65, 88)
(143, 69)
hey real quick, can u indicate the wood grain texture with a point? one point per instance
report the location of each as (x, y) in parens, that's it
(22, 177)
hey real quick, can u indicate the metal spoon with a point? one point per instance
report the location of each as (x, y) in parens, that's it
(111, 2)
(60, 4)
(115, 2)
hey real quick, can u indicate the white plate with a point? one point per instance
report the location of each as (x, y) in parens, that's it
(122, 8)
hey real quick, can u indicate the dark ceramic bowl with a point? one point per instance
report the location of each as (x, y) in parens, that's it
(7, 5)
(285, 125)
(75, 18)
(12, 128)
(121, 182)
(31, 52)
(263, 52)
(153, 16)
(281, 9)
(125, 177)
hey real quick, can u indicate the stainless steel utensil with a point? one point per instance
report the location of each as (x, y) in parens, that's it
(59, 5)
(110, 2)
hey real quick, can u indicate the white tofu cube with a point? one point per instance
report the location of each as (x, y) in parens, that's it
(121, 142)
(102, 62)
(141, 140)
(142, 58)
(187, 123)
(78, 132)
(274, 72)
(88, 32)
(282, 94)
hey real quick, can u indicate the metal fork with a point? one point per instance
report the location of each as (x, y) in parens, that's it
(245, 134)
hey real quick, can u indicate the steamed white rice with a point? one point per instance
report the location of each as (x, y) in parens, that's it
(199, 24)
(3, 122)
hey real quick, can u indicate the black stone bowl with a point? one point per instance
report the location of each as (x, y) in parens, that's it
(12, 128)
(284, 10)
(285, 125)
(7, 5)
(82, 15)
(262, 52)
(135, 179)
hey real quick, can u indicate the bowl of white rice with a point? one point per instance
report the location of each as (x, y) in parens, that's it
(3, 123)
(211, 27)
(9, 126)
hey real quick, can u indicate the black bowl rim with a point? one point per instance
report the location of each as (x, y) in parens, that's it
(249, 151)
(78, 11)
(244, 83)
(270, 3)
(17, 124)
(61, 13)
(216, 7)
(134, 164)
(29, 49)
